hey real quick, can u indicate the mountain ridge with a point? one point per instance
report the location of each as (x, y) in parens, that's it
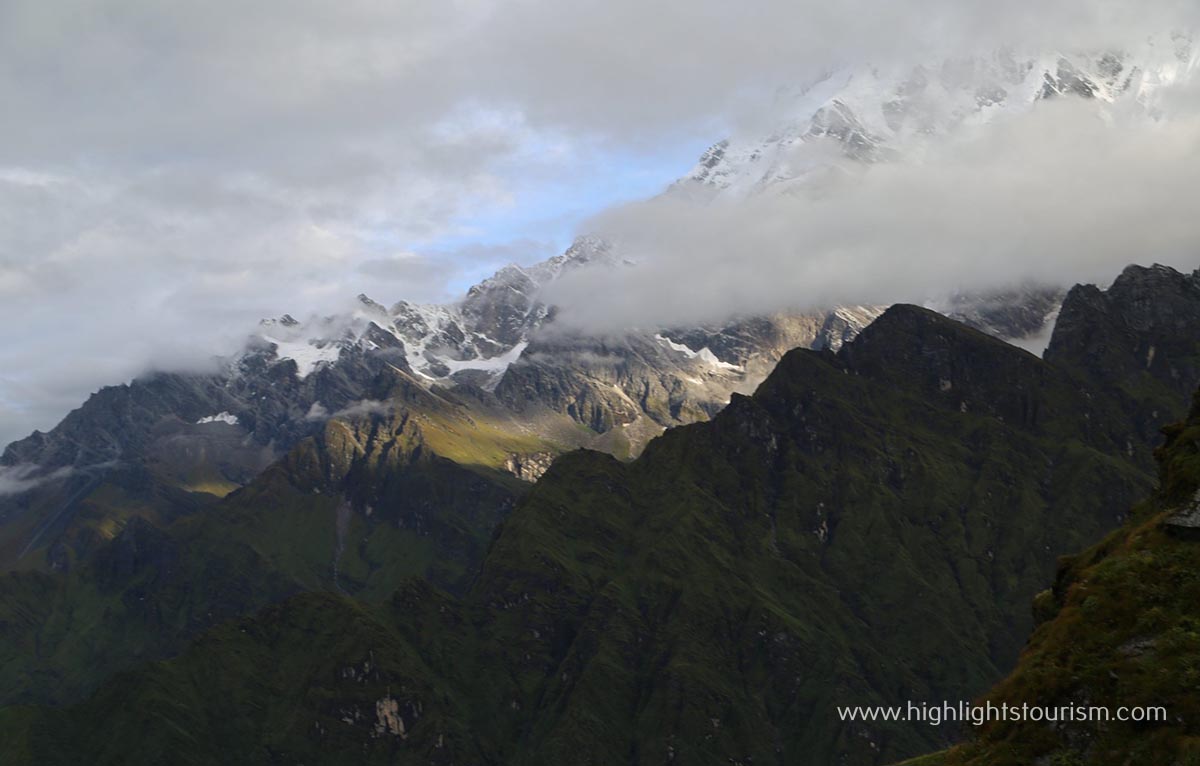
(657, 591)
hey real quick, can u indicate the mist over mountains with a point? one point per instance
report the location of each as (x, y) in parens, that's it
(907, 183)
(272, 191)
(598, 382)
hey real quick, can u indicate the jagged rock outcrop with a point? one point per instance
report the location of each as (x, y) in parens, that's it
(1138, 336)
(1143, 322)
(529, 467)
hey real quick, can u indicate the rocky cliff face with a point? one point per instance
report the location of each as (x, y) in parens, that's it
(642, 383)
(168, 443)
(1141, 324)
(1135, 336)
(1020, 314)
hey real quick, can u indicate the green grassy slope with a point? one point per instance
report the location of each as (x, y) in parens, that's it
(832, 541)
(1123, 629)
(320, 678)
(867, 529)
(356, 510)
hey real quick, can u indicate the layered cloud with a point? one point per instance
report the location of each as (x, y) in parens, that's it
(171, 172)
(1062, 194)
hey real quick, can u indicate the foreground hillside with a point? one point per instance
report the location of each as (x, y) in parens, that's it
(1121, 627)
(868, 527)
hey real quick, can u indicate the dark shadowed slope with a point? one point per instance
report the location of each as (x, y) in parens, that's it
(1121, 628)
(869, 527)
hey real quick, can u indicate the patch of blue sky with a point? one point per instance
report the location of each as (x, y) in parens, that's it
(547, 210)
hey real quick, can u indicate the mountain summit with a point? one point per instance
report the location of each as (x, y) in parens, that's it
(868, 114)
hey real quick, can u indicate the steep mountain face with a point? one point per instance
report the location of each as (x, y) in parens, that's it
(502, 339)
(169, 443)
(1119, 630)
(1135, 336)
(1023, 315)
(474, 340)
(628, 388)
(866, 529)
(407, 489)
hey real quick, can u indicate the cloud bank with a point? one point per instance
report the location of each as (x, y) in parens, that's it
(1062, 194)
(20, 478)
(171, 172)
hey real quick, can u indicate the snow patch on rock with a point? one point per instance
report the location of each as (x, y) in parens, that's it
(220, 417)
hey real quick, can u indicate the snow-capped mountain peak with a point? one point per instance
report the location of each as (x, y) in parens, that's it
(867, 114)
(473, 340)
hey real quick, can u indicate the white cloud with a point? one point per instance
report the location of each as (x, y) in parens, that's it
(20, 478)
(364, 408)
(1058, 195)
(171, 172)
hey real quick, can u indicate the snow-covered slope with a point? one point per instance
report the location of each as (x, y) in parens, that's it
(473, 340)
(854, 118)
(870, 114)
(499, 343)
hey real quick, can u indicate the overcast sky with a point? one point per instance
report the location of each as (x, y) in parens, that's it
(171, 172)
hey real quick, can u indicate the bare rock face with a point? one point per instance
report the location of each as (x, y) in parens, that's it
(529, 467)
(503, 305)
(1138, 334)
(1143, 323)
(1011, 314)
(1186, 521)
(668, 378)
